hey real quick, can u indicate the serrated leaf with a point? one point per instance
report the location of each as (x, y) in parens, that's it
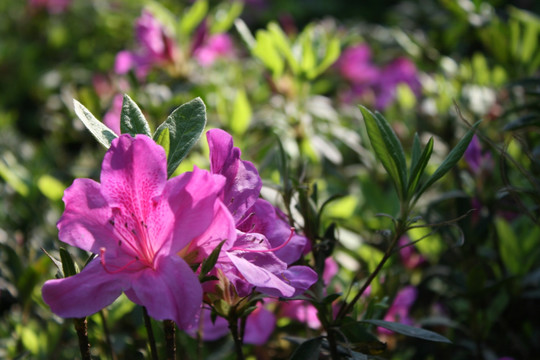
(101, 132)
(451, 160)
(193, 17)
(308, 350)
(185, 125)
(408, 330)
(164, 140)
(210, 261)
(418, 170)
(68, 265)
(387, 148)
(132, 120)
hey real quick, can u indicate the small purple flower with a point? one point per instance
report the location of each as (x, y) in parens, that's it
(355, 65)
(259, 256)
(399, 311)
(214, 47)
(138, 222)
(156, 47)
(475, 159)
(410, 258)
(399, 71)
(260, 325)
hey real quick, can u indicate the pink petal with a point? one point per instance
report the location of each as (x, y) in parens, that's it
(134, 172)
(85, 293)
(192, 197)
(264, 280)
(260, 325)
(300, 277)
(243, 182)
(172, 291)
(85, 219)
(222, 228)
(124, 62)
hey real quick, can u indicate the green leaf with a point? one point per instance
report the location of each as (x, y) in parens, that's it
(132, 120)
(245, 33)
(308, 350)
(210, 261)
(185, 125)
(387, 148)
(224, 18)
(307, 63)
(266, 51)
(50, 187)
(56, 262)
(101, 132)
(193, 17)
(164, 140)
(333, 50)
(408, 330)
(281, 41)
(418, 170)
(451, 160)
(68, 265)
(416, 151)
(241, 113)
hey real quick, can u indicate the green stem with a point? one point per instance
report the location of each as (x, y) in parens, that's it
(401, 229)
(82, 333)
(151, 339)
(112, 355)
(233, 326)
(170, 339)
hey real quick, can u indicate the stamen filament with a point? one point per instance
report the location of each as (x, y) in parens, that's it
(266, 250)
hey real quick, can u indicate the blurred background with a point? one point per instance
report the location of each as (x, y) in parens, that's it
(293, 70)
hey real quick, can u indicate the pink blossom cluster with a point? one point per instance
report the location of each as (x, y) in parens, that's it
(157, 47)
(149, 231)
(371, 82)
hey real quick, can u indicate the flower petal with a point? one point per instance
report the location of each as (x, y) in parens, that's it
(85, 293)
(243, 182)
(192, 197)
(271, 222)
(134, 172)
(300, 277)
(84, 223)
(172, 291)
(264, 280)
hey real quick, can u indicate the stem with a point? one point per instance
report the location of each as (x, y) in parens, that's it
(112, 355)
(82, 332)
(400, 230)
(170, 339)
(233, 326)
(330, 335)
(151, 339)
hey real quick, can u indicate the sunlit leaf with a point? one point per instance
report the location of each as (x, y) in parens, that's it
(101, 132)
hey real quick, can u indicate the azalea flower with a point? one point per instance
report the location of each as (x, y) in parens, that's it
(214, 47)
(265, 245)
(156, 47)
(136, 221)
(410, 257)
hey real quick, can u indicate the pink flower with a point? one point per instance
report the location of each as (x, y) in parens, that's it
(410, 258)
(254, 259)
(156, 47)
(137, 221)
(355, 65)
(399, 311)
(215, 46)
(399, 71)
